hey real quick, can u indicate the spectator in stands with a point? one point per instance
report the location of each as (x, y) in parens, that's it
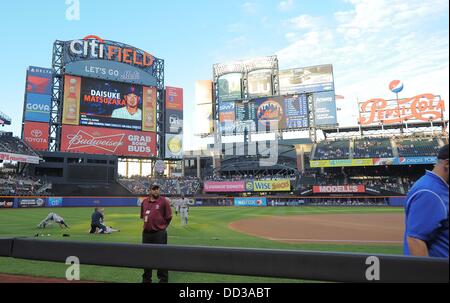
(426, 208)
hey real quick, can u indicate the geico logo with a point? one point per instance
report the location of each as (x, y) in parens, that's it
(39, 107)
(36, 133)
(95, 47)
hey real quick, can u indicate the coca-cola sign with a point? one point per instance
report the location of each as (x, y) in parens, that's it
(108, 141)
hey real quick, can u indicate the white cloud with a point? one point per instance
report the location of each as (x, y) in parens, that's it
(249, 8)
(371, 44)
(304, 22)
(285, 5)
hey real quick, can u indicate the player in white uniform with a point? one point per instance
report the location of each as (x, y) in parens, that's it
(53, 217)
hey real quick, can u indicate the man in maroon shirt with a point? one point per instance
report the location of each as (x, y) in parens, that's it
(157, 214)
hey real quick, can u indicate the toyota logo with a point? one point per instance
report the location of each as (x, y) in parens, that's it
(36, 133)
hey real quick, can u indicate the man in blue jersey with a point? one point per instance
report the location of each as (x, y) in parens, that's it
(426, 208)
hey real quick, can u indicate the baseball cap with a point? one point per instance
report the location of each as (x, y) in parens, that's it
(154, 186)
(443, 153)
(131, 90)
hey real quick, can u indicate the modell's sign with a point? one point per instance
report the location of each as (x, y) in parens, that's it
(339, 189)
(94, 47)
(117, 142)
(424, 107)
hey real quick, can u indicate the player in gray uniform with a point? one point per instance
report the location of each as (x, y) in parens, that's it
(53, 217)
(184, 210)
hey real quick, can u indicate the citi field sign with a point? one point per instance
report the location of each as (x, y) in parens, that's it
(94, 47)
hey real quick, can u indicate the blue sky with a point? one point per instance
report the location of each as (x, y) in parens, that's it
(368, 42)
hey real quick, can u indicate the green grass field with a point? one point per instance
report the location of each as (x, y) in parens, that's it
(208, 226)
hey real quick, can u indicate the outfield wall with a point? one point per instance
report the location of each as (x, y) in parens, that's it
(271, 201)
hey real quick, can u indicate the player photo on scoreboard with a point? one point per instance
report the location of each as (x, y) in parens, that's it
(110, 104)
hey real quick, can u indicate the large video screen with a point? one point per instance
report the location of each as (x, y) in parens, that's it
(306, 80)
(230, 87)
(288, 112)
(260, 83)
(93, 102)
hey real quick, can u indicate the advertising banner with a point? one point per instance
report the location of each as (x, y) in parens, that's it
(260, 83)
(269, 185)
(71, 103)
(222, 187)
(117, 142)
(99, 201)
(110, 70)
(203, 92)
(325, 108)
(39, 80)
(174, 98)
(19, 158)
(227, 112)
(6, 202)
(149, 109)
(204, 119)
(31, 202)
(174, 146)
(174, 121)
(37, 107)
(306, 80)
(36, 135)
(230, 87)
(341, 162)
(423, 107)
(415, 160)
(250, 202)
(54, 202)
(339, 189)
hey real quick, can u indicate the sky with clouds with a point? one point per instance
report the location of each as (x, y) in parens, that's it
(369, 43)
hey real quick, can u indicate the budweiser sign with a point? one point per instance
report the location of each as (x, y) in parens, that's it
(108, 141)
(83, 139)
(339, 189)
(424, 107)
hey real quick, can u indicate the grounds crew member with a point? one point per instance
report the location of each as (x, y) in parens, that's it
(156, 214)
(52, 217)
(426, 208)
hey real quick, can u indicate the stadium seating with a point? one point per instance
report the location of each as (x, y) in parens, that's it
(13, 145)
(169, 186)
(326, 150)
(372, 148)
(21, 185)
(419, 147)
